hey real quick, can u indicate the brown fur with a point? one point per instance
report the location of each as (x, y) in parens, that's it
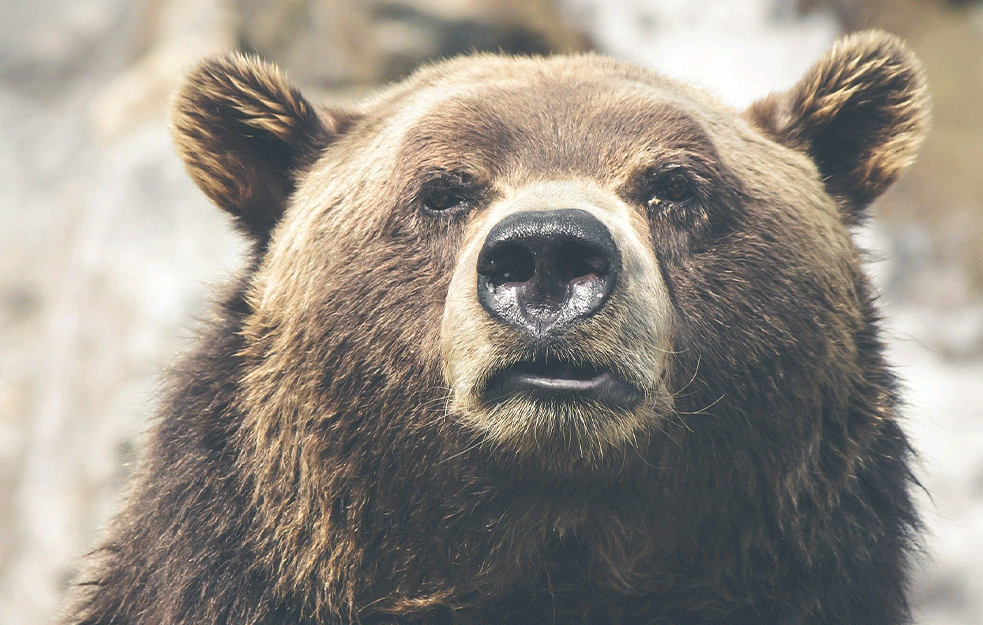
(323, 457)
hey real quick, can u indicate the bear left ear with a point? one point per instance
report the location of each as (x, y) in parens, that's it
(860, 113)
(246, 135)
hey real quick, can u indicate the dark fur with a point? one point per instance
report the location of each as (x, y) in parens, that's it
(304, 470)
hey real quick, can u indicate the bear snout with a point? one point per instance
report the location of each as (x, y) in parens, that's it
(543, 270)
(556, 325)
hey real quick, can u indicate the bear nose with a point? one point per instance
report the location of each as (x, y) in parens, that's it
(541, 270)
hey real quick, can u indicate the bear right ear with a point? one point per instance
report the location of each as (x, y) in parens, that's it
(861, 113)
(245, 135)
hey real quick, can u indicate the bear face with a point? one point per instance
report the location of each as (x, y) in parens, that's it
(534, 336)
(445, 158)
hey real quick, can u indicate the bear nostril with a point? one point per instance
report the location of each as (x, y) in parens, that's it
(577, 260)
(508, 264)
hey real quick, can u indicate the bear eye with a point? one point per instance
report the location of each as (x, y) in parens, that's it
(442, 200)
(452, 194)
(672, 187)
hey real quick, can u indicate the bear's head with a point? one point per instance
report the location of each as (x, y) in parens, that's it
(555, 274)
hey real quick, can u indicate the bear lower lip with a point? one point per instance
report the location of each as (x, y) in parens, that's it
(559, 381)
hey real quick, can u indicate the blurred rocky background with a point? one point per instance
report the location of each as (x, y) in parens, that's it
(107, 252)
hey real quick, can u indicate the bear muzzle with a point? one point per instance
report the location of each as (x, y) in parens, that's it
(540, 272)
(555, 334)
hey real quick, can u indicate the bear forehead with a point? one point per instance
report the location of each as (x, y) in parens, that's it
(574, 115)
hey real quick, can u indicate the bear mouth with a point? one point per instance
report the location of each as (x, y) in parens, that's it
(560, 380)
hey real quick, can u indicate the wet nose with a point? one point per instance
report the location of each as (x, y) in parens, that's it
(542, 270)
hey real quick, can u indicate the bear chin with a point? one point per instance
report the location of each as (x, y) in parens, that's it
(561, 432)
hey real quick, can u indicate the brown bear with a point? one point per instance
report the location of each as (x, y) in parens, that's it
(533, 340)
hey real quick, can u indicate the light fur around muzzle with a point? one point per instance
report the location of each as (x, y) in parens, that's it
(629, 336)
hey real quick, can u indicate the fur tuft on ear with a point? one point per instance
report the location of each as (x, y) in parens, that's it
(861, 113)
(245, 135)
